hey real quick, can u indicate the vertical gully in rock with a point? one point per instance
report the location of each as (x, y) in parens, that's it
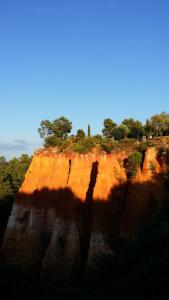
(70, 165)
(86, 217)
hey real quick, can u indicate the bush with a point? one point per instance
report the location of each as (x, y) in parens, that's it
(84, 146)
(133, 163)
(64, 145)
(144, 146)
(80, 135)
(97, 139)
(108, 145)
(52, 141)
(128, 144)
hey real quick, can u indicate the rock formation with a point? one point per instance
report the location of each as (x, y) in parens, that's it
(72, 208)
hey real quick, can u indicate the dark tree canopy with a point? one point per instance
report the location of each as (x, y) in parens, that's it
(88, 131)
(135, 127)
(108, 128)
(12, 174)
(158, 124)
(45, 129)
(120, 132)
(57, 129)
(80, 134)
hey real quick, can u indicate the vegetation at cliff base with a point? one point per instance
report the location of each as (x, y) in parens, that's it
(12, 174)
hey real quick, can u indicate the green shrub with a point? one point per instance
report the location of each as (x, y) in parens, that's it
(144, 146)
(64, 145)
(80, 135)
(108, 145)
(52, 141)
(128, 144)
(78, 147)
(97, 139)
(84, 146)
(133, 163)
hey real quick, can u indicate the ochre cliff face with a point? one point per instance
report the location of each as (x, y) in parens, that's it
(73, 208)
(145, 191)
(57, 171)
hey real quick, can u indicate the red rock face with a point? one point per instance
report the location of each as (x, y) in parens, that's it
(145, 191)
(72, 208)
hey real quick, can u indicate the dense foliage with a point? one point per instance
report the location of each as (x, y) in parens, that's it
(12, 174)
(134, 162)
(57, 133)
(158, 125)
(57, 129)
(11, 177)
(80, 135)
(108, 129)
(83, 146)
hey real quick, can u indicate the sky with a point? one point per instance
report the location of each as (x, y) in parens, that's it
(84, 59)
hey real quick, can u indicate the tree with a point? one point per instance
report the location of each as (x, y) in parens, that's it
(148, 128)
(89, 131)
(108, 129)
(12, 174)
(158, 124)
(16, 170)
(80, 134)
(120, 132)
(57, 129)
(136, 129)
(4, 184)
(46, 129)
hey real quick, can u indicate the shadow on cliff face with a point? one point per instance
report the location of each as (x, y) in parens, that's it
(49, 232)
(85, 217)
(5, 210)
(163, 156)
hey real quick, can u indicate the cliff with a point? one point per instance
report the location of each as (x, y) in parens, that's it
(73, 209)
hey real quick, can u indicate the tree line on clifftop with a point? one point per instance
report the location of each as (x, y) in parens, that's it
(57, 133)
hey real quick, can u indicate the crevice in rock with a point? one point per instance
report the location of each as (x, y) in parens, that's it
(143, 159)
(85, 224)
(70, 165)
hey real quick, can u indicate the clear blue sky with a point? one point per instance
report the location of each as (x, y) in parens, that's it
(84, 59)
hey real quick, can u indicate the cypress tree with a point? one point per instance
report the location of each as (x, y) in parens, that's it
(89, 131)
